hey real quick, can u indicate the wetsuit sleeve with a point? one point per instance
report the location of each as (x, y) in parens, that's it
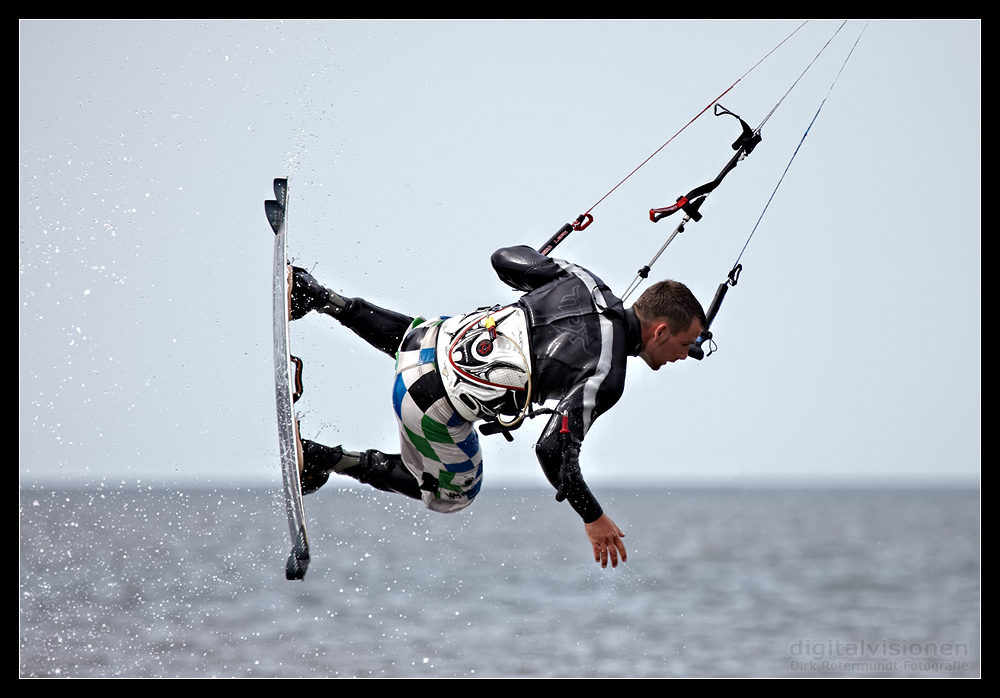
(523, 268)
(559, 456)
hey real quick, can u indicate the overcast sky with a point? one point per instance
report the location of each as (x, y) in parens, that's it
(849, 352)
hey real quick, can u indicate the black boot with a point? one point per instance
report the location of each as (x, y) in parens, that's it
(308, 294)
(320, 461)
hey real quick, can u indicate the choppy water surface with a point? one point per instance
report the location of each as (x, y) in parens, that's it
(129, 581)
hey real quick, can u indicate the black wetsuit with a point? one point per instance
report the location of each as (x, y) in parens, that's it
(581, 336)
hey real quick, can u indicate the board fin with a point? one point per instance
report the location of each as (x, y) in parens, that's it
(275, 210)
(275, 215)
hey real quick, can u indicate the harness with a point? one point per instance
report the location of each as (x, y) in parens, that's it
(484, 364)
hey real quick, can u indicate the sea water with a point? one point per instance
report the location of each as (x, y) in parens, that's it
(140, 581)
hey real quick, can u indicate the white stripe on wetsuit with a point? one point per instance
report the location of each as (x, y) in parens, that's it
(593, 385)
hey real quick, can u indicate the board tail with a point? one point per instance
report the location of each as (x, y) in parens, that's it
(298, 560)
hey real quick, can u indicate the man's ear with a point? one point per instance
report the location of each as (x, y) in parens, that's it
(661, 329)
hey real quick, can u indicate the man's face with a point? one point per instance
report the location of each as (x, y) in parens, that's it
(662, 347)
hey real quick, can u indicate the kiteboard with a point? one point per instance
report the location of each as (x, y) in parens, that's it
(287, 386)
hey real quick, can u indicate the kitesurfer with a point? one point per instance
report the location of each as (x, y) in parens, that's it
(566, 339)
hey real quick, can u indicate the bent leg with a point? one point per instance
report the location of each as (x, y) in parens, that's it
(386, 472)
(383, 329)
(441, 458)
(382, 471)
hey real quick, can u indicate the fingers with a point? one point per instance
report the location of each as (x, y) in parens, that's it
(613, 550)
(605, 538)
(616, 549)
(601, 553)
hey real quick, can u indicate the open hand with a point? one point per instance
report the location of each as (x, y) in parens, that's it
(606, 539)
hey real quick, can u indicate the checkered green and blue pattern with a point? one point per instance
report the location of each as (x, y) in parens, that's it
(438, 447)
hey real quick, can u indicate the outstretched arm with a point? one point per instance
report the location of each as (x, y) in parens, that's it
(559, 455)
